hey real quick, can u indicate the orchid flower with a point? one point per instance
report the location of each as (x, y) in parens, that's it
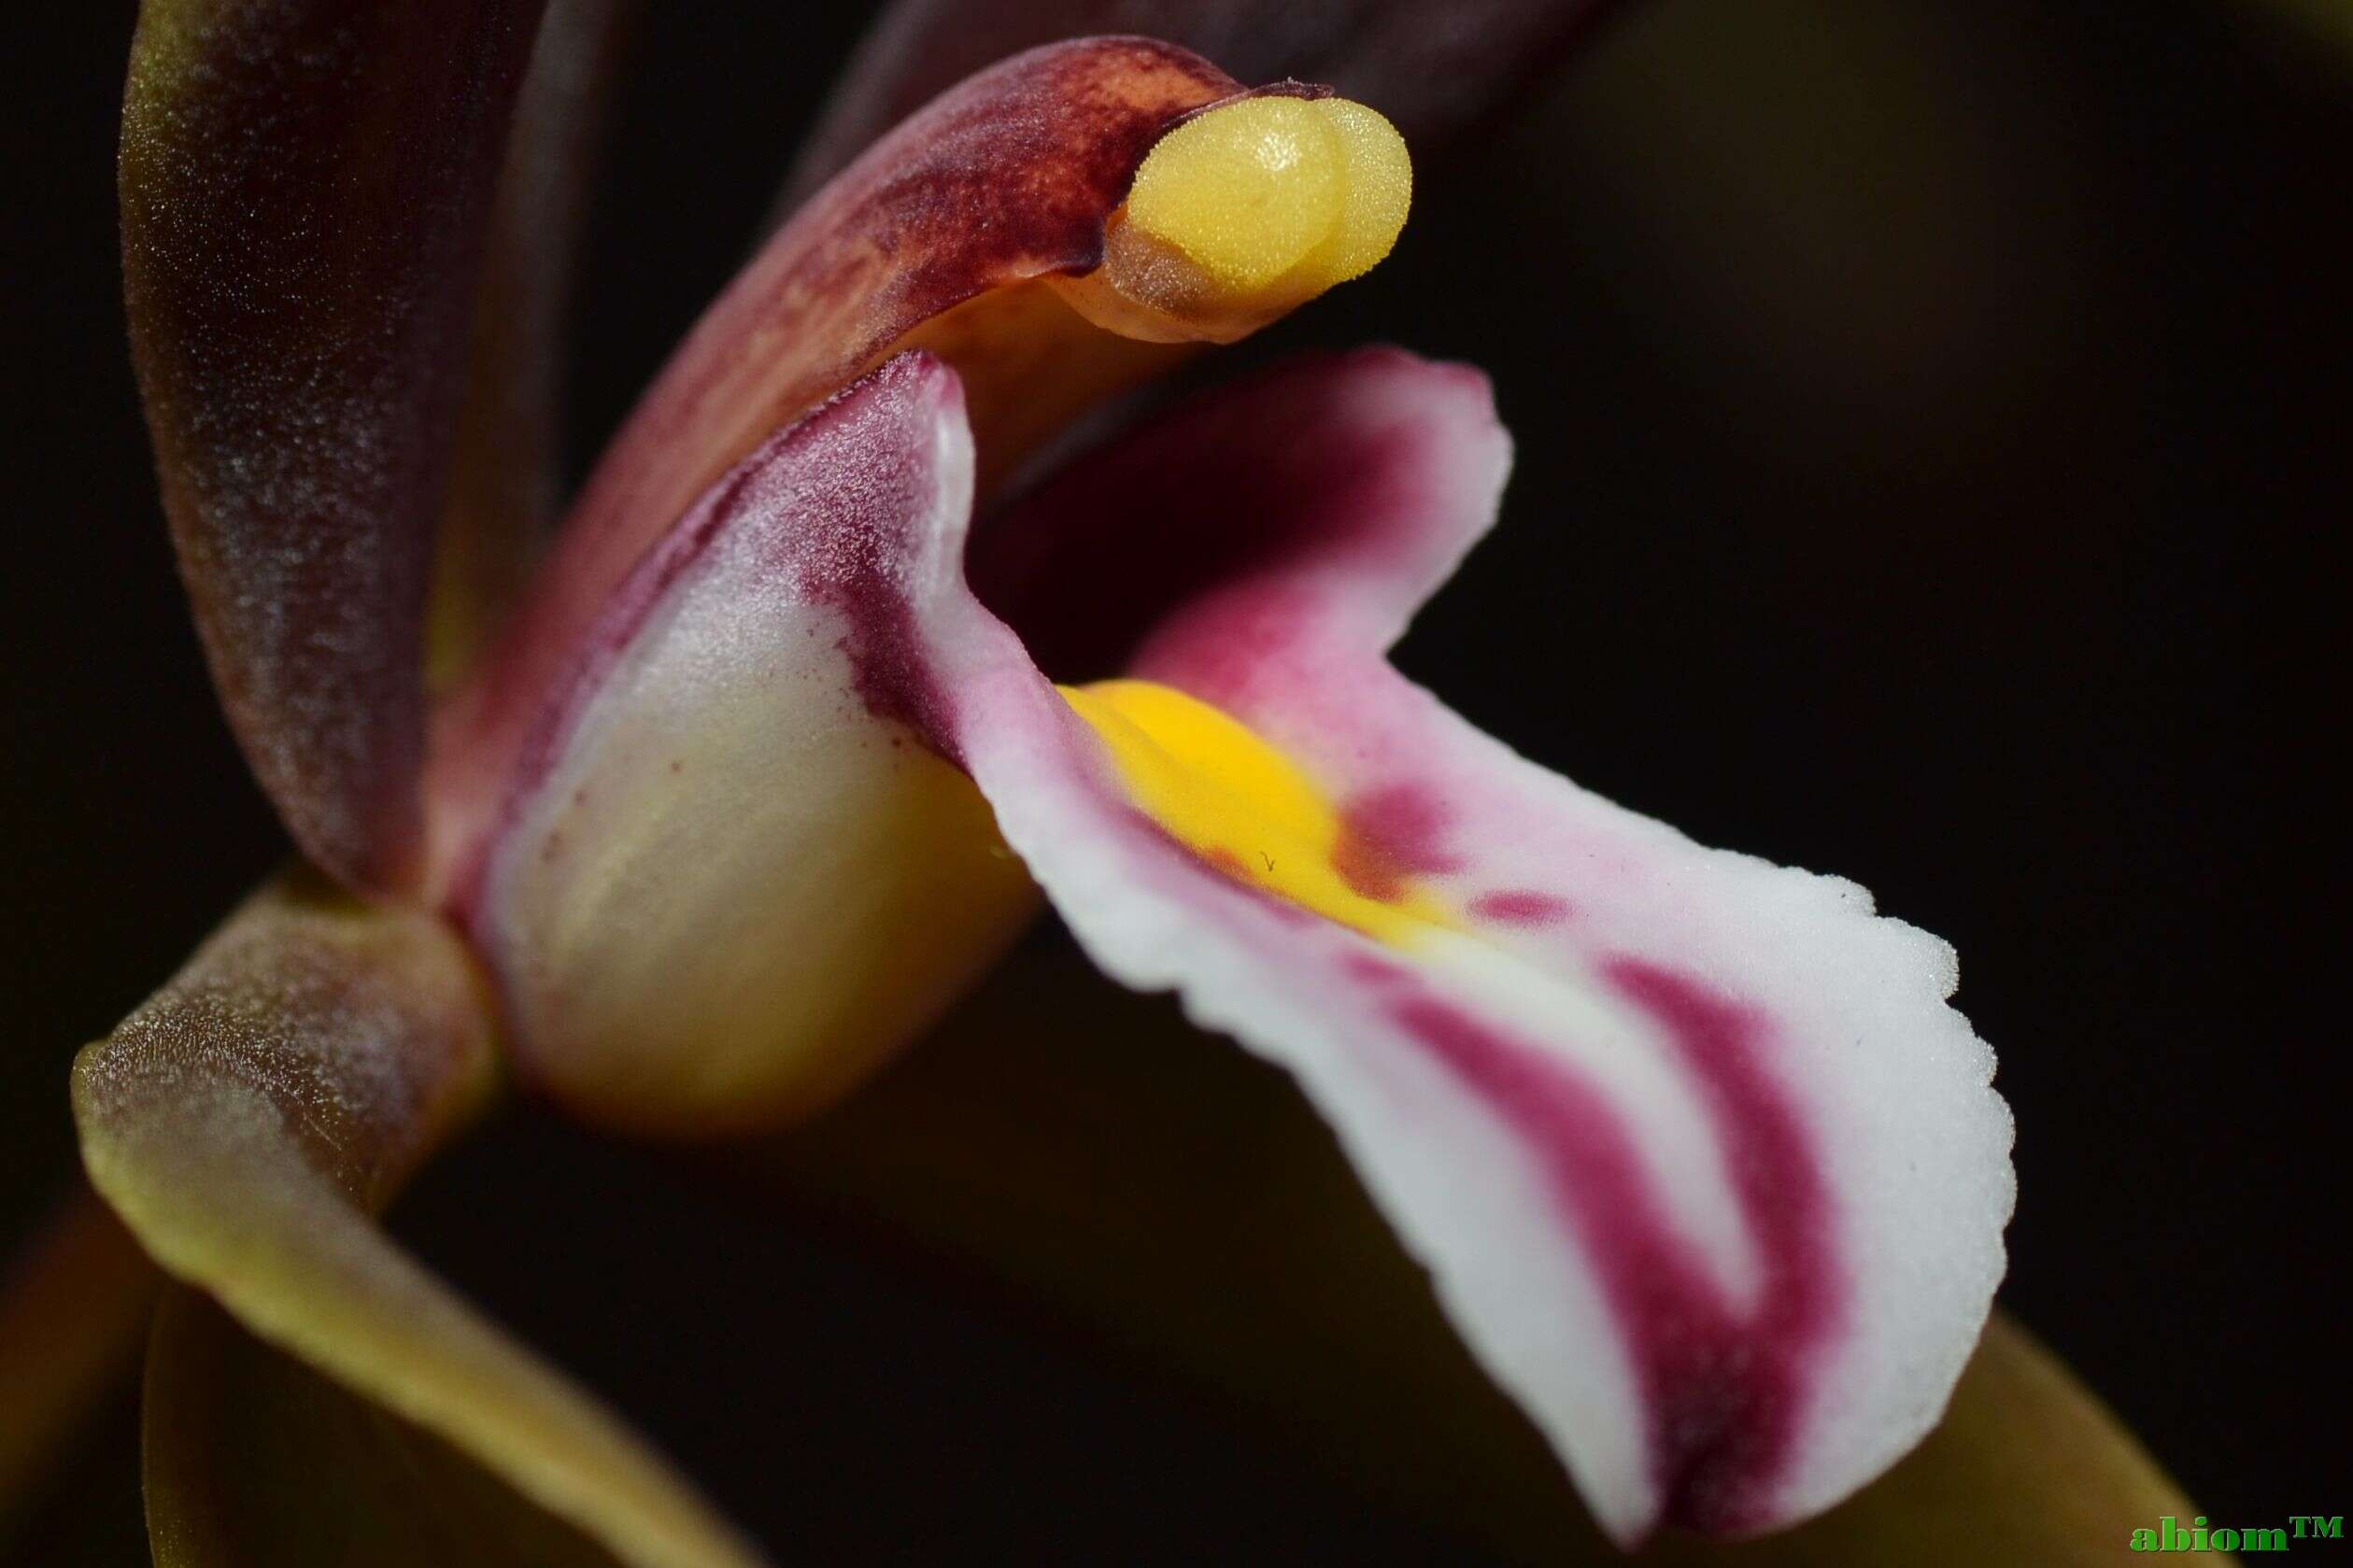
(850, 657)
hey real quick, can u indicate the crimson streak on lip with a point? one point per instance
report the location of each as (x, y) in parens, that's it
(1727, 1389)
(812, 496)
(1387, 836)
(842, 560)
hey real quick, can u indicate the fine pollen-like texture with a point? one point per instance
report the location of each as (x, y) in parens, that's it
(248, 1119)
(305, 184)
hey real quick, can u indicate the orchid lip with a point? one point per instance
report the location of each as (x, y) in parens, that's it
(1619, 1092)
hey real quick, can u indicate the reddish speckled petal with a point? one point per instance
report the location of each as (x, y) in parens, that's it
(1431, 68)
(246, 1122)
(304, 188)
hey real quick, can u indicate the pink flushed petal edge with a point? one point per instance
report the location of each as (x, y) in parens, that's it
(856, 451)
(1703, 1168)
(1788, 1333)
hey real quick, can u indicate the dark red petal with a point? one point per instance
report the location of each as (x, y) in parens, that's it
(303, 186)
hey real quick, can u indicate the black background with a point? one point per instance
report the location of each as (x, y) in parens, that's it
(1920, 408)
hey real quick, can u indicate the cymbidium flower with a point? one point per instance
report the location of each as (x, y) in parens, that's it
(835, 673)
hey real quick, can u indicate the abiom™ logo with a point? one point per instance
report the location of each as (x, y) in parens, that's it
(2171, 1535)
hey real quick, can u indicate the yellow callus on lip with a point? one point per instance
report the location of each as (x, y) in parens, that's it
(1245, 212)
(1238, 803)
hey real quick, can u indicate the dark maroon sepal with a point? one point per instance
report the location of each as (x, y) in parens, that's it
(305, 184)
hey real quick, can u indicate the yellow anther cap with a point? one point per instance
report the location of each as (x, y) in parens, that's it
(1380, 191)
(1245, 191)
(1248, 211)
